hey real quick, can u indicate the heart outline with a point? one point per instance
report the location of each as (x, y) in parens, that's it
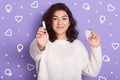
(115, 46)
(30, 67)
(18, 18)
(102, 78)
(34, 4)
(111, 7)
(8, 32)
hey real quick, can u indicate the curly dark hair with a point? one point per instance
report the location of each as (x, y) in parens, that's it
(71, 33)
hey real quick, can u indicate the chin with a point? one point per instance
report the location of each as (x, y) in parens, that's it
(60, 33)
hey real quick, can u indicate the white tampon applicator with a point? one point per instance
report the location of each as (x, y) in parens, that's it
(43, 23)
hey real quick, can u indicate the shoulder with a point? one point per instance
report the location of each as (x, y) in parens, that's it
(79, 42)
(80, 48)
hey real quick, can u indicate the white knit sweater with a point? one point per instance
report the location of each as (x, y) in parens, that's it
(62, 60)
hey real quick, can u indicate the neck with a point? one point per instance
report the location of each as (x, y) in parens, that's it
(64, 37)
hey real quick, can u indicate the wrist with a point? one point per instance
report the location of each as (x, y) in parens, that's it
(41, 48)
(95, 46)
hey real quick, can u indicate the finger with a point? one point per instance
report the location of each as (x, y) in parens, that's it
(92, 33)
(89, 40)
(41, 30)
(98, 37)
(45, 31)
(91, 30)
(94, 36)
(91, 36)
(38, 36)
(40, 33)
(41, 27)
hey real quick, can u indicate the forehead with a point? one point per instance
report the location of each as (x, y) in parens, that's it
(60, 13)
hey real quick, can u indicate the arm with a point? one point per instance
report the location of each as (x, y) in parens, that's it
(38, 45)
(35, 52)
(93, 63)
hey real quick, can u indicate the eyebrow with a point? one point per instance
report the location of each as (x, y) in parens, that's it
(62, 16)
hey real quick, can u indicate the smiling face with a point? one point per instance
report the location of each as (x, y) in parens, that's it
(60, 23)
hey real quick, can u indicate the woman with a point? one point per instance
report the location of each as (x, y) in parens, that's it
(58, 54)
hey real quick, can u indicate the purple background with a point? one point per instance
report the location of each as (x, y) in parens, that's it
(18, 65)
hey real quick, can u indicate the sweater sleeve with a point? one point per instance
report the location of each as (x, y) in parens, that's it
(93, 63)
(35, 53)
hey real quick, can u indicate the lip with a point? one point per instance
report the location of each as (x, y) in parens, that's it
(59, 27)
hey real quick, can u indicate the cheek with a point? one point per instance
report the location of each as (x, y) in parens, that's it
(54, 23)
(67, 24)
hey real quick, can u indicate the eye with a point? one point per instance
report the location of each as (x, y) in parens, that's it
(54, 18)
(64, 18)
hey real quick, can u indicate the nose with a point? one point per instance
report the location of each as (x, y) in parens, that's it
(59, 22)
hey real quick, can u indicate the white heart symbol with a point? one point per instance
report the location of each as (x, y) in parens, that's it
(111, 7)
(8, 32)
(115, 45)
(18, 18)
(34, 4)
(30, 67)
(102, 78)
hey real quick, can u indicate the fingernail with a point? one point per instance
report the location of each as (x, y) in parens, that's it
(44, 31)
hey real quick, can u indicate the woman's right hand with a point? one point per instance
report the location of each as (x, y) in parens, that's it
(42, 38)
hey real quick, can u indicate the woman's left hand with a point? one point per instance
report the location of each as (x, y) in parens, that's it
(94, 40)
